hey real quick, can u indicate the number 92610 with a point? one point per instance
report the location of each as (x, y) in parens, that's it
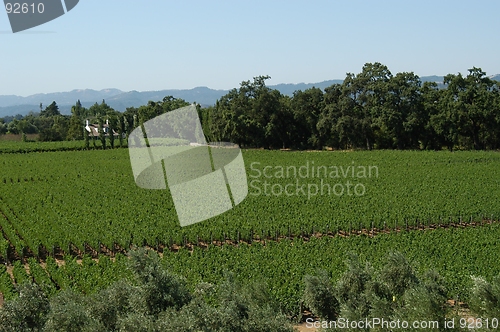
(24, 8)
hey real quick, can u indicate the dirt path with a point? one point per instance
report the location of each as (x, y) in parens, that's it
(303, 328)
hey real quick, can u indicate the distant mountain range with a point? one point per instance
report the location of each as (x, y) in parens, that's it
(120, 100)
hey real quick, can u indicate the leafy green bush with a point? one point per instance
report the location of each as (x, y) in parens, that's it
(485, 300)
(319, 296)
(158, 301)
(392, 293)
(27, 312)
(352, 289)
(158, 289)
(67, 313)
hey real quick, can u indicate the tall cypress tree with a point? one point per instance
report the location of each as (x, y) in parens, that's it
(101, 134)
(86, 138)
(111, 125)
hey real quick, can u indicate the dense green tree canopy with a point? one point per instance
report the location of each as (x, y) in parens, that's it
(372, 109)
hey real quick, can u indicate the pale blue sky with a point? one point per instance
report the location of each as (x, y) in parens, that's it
(163, 44)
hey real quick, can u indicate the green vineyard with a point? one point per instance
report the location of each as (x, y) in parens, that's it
(58, 199)
(300, 215)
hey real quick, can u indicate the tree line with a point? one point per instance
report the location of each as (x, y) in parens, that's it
(373, 109)
(51, 125)
(370, 110)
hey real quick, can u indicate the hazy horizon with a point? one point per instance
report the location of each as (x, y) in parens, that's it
(153, 46)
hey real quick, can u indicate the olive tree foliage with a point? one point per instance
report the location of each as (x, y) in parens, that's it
(68, 313)
(159, 289)
(353, 289)
(393, 292)
(155, 300)
(319, 296)
(108, 306)
(229, 307)
(425, 301)
(486, 297)
(28, 312)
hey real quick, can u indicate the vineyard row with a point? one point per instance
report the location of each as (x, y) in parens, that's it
(9, 254)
